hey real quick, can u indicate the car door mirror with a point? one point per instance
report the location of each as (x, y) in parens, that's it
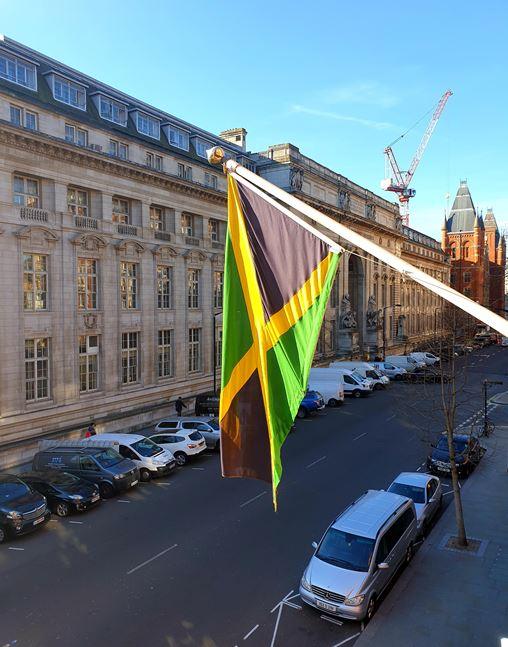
(383, 566)
(314, 545)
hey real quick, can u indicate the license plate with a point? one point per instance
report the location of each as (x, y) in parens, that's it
(95, 498)
(39, 520)
(134, 483)
(326, 606)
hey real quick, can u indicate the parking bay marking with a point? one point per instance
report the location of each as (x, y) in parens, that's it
(253, 499)
(360, 436)
(163, 552)
(251, 632)
(77, 522)
(315, 462)
(391, 417)
(15, 548)
(332, 620)
(343, 642)
(122, 501)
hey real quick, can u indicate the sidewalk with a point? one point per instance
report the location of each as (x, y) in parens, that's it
(445, 598)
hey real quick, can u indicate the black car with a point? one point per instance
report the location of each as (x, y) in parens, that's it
(22, 509)
(468, 453)
(64, 492)
(207, 404)
(428, 375)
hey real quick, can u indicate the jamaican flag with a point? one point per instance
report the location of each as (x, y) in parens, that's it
(278, 277)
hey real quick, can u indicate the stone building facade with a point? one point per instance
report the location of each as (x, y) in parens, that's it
(477, 251)
(371, 308)
(112, 230)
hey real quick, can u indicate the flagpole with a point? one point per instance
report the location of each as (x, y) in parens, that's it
(481, 313)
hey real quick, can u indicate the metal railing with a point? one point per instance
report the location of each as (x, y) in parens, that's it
(32, 213)
(128, 230)
(162, 235)
(84, 222)
(192, 240)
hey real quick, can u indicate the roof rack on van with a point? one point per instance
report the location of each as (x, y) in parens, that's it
(70, 444)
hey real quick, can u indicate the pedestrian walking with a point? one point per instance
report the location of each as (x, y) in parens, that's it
(91, 430)
(179, 405)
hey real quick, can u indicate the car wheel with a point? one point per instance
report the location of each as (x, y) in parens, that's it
(332, 402)
(371, 609)
(377, 387)
(106, 490)
(356, 394)
(144, 475)
(62, 509)
(3, 534)
(180, 459)
(398, 378)
(302, 412)
(409, 553)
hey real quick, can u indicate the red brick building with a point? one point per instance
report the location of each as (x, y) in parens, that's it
(477, 251)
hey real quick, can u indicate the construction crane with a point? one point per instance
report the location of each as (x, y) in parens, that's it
(399, 181)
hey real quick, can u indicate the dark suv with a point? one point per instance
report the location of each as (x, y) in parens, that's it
(21, 508)
(468, 453)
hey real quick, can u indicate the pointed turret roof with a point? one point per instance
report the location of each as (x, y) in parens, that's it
(463, 214)
(490, 220)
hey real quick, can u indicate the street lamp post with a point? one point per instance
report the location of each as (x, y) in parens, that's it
(394, 305)
(214, 353)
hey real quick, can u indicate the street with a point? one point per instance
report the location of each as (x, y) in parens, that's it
(195, 559)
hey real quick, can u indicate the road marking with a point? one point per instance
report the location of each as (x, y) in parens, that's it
(15, 548)
(163, 552)
(360, 436)
(418, 469)
(163, 483)
(198, 469)
(391, 417)
(78, 522)
(347, 639)
(251, 632)
(315, 462)
(447, 493)
(284, 599)
(253, 499)
(332, 620)
(293, 605)
(347, 413)
(122, 501)
(296, 595)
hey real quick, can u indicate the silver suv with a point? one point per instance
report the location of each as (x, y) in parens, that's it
(207, 426)
(359, 555)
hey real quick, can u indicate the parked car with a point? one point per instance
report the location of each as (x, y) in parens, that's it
(428, 358)
(312, 402)
(428, 374)
(181, 443)
(390, 370)
(100, 465)
(330, 385)
(405, 361)
(366, 371)
(504, 341)
(22, 509)
(427, 495)
(64, 492)
(151, 460)
(207, 404)
(354, 384)
(208, 427)
(468, 453)
(359, 555)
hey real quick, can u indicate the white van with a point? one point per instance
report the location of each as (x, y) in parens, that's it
(428, 358)
(365, 370)
(354, 385)
(390, 370)
(330, 385)
(151, 459)
(405, 361)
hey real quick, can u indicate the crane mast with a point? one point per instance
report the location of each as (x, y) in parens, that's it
(399, 181)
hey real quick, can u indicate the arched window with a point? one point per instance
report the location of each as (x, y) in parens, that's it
(453, 250)
(465, 250)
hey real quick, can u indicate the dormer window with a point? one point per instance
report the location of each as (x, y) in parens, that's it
(18, 71)
(177, 137)
(147, 125)
(112, 110)
(67, 91)
(201, 146)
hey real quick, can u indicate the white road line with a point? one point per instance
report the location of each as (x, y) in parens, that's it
(251, 632)
(284, 599)
(360, 436)
(276, 626)
(347, 413)
(122, 501)
(347, 639)
(332, 620)
(293, 605)
(315, 462)
(447, 493)
(162, 483)
(253, 499)
(296, 595)
(391, 417)
(163, 552)
(78, 522)
(418, 469)
(14, 548)
(198, 469)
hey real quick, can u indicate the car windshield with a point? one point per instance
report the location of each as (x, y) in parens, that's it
(411, 491)
(214, 424)
(146, 447)
(390, 367)
(10, 490)
(459, 445)
(107, 457)
(373, 374)
(346, 550)
(63, 479)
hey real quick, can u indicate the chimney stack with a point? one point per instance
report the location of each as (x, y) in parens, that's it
(236, 136)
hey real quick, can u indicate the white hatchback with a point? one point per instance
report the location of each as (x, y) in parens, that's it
(427, 495)
(182, 444)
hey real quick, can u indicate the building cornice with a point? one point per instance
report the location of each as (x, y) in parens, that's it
(41, 144)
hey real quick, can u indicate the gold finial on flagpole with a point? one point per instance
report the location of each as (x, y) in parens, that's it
(217, 155)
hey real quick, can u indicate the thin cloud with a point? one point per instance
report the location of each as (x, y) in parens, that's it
(369, 93)
(368, 123)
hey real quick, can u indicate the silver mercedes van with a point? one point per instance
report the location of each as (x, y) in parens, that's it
(359, 555)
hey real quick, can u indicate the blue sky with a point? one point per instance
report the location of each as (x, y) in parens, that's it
(340, 80)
